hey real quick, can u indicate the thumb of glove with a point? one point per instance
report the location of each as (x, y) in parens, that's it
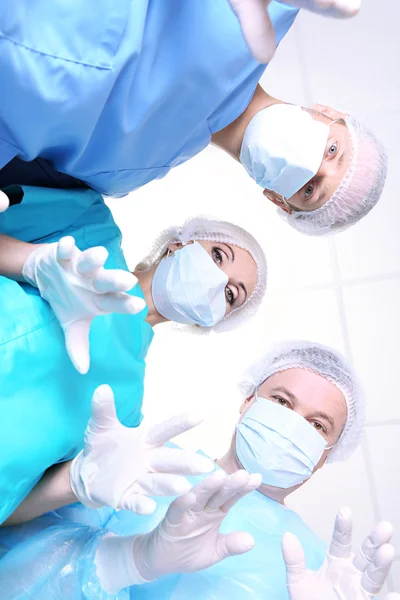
(77, 344)
(235, 543)
(293, 555)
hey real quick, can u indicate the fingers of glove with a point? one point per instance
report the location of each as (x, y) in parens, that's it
(120, 303)
(339, 8)
(113, 280)
(256, 27)
(377, 571)
(4, 201)
(166, 430)
(66, 249)
(382, 534)
(176, 460)
(254, 482)
(233, 484)
(293, 555)
(138, 503)
(77, 344)
(342, 534)
(104, 414)
(196, 499)
(163, 484)
(178, 509)
(91, 259)
(232, 544)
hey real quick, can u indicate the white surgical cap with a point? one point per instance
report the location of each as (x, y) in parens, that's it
(202, 228)
(358, 192)
(325, 362)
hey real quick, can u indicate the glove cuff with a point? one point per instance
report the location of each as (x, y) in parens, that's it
(115, 565)
(30, 265)
(77, 485)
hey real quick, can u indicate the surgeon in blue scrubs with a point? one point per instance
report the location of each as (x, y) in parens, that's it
(119, 95)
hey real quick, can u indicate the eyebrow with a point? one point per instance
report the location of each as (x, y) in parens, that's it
(340, 160)
(322, 195)
(244, 289)
(233, 260)
(281, 388)
(231, 249)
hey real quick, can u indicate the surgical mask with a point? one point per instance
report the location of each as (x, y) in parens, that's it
(188, 287)
(278, 443)
(283, 148)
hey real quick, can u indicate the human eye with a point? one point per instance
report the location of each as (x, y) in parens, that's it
(217, 256)
(309, 190)
(229, 295)
(317, 425)
(281, 401)
(332, 150)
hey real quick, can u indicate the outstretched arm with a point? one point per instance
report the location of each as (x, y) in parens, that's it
(257, 27)
(53, 491)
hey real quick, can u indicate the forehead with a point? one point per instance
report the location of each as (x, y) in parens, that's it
(312, 392)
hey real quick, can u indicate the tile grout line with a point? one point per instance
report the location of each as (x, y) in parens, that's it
(338, 287)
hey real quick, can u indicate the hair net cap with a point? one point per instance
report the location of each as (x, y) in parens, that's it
(358, 192)
(325, 362)
(203, 228)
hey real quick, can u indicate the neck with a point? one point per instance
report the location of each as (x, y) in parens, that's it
(230, 464)
(145, 280)
(231, 137)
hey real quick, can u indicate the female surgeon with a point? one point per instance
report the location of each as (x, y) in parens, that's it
(302, 407)
(208, 275)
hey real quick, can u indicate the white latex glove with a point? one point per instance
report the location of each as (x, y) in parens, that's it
(122, 466)
(187, 539)
(343, 576)
(258, 29)
(78, 289)
(4, 202)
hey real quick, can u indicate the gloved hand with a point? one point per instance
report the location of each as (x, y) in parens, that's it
(187, 539)
(257, 27)
(122, 466)
(4, 202)
(78, 289)
(343, 576)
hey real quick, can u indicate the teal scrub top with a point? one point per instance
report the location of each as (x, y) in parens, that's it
(45, 403)
(117, 92)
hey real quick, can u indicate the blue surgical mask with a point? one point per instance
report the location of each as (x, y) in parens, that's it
(283, 148)
(278, 443)
(188, 287)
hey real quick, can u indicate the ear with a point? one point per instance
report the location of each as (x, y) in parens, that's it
(277, 200)
(331, 113)
(173, 247)
(245, 404)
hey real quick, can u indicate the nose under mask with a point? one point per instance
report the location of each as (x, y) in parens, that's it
(283, 148)
(188, 287)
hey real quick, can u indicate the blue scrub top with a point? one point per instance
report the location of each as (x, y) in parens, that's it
(53, 555)
(117, 93)
(44, 402)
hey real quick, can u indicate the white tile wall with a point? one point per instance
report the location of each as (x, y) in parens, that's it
(344, 291)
